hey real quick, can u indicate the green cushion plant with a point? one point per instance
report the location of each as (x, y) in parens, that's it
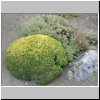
(39, 57)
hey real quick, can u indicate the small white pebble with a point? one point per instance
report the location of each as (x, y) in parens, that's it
(69, 75)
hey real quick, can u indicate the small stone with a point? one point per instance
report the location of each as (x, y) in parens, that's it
(69, 75)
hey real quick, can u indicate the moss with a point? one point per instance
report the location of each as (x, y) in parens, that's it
(38, 57)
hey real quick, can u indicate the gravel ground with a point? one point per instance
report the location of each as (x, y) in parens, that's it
(11, 26)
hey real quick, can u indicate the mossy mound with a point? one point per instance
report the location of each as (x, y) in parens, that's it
(38, 57)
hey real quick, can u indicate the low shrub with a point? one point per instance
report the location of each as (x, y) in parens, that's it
(92, 38)
(85, 40)
(55, 26)
(38, 57)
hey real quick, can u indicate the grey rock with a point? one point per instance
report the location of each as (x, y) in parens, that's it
(84, 67)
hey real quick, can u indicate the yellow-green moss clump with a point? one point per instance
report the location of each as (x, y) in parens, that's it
(38, 57)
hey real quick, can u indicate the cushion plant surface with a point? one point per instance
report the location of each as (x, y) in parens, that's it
(39, 57)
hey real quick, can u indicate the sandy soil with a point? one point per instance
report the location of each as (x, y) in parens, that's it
(11, 25)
